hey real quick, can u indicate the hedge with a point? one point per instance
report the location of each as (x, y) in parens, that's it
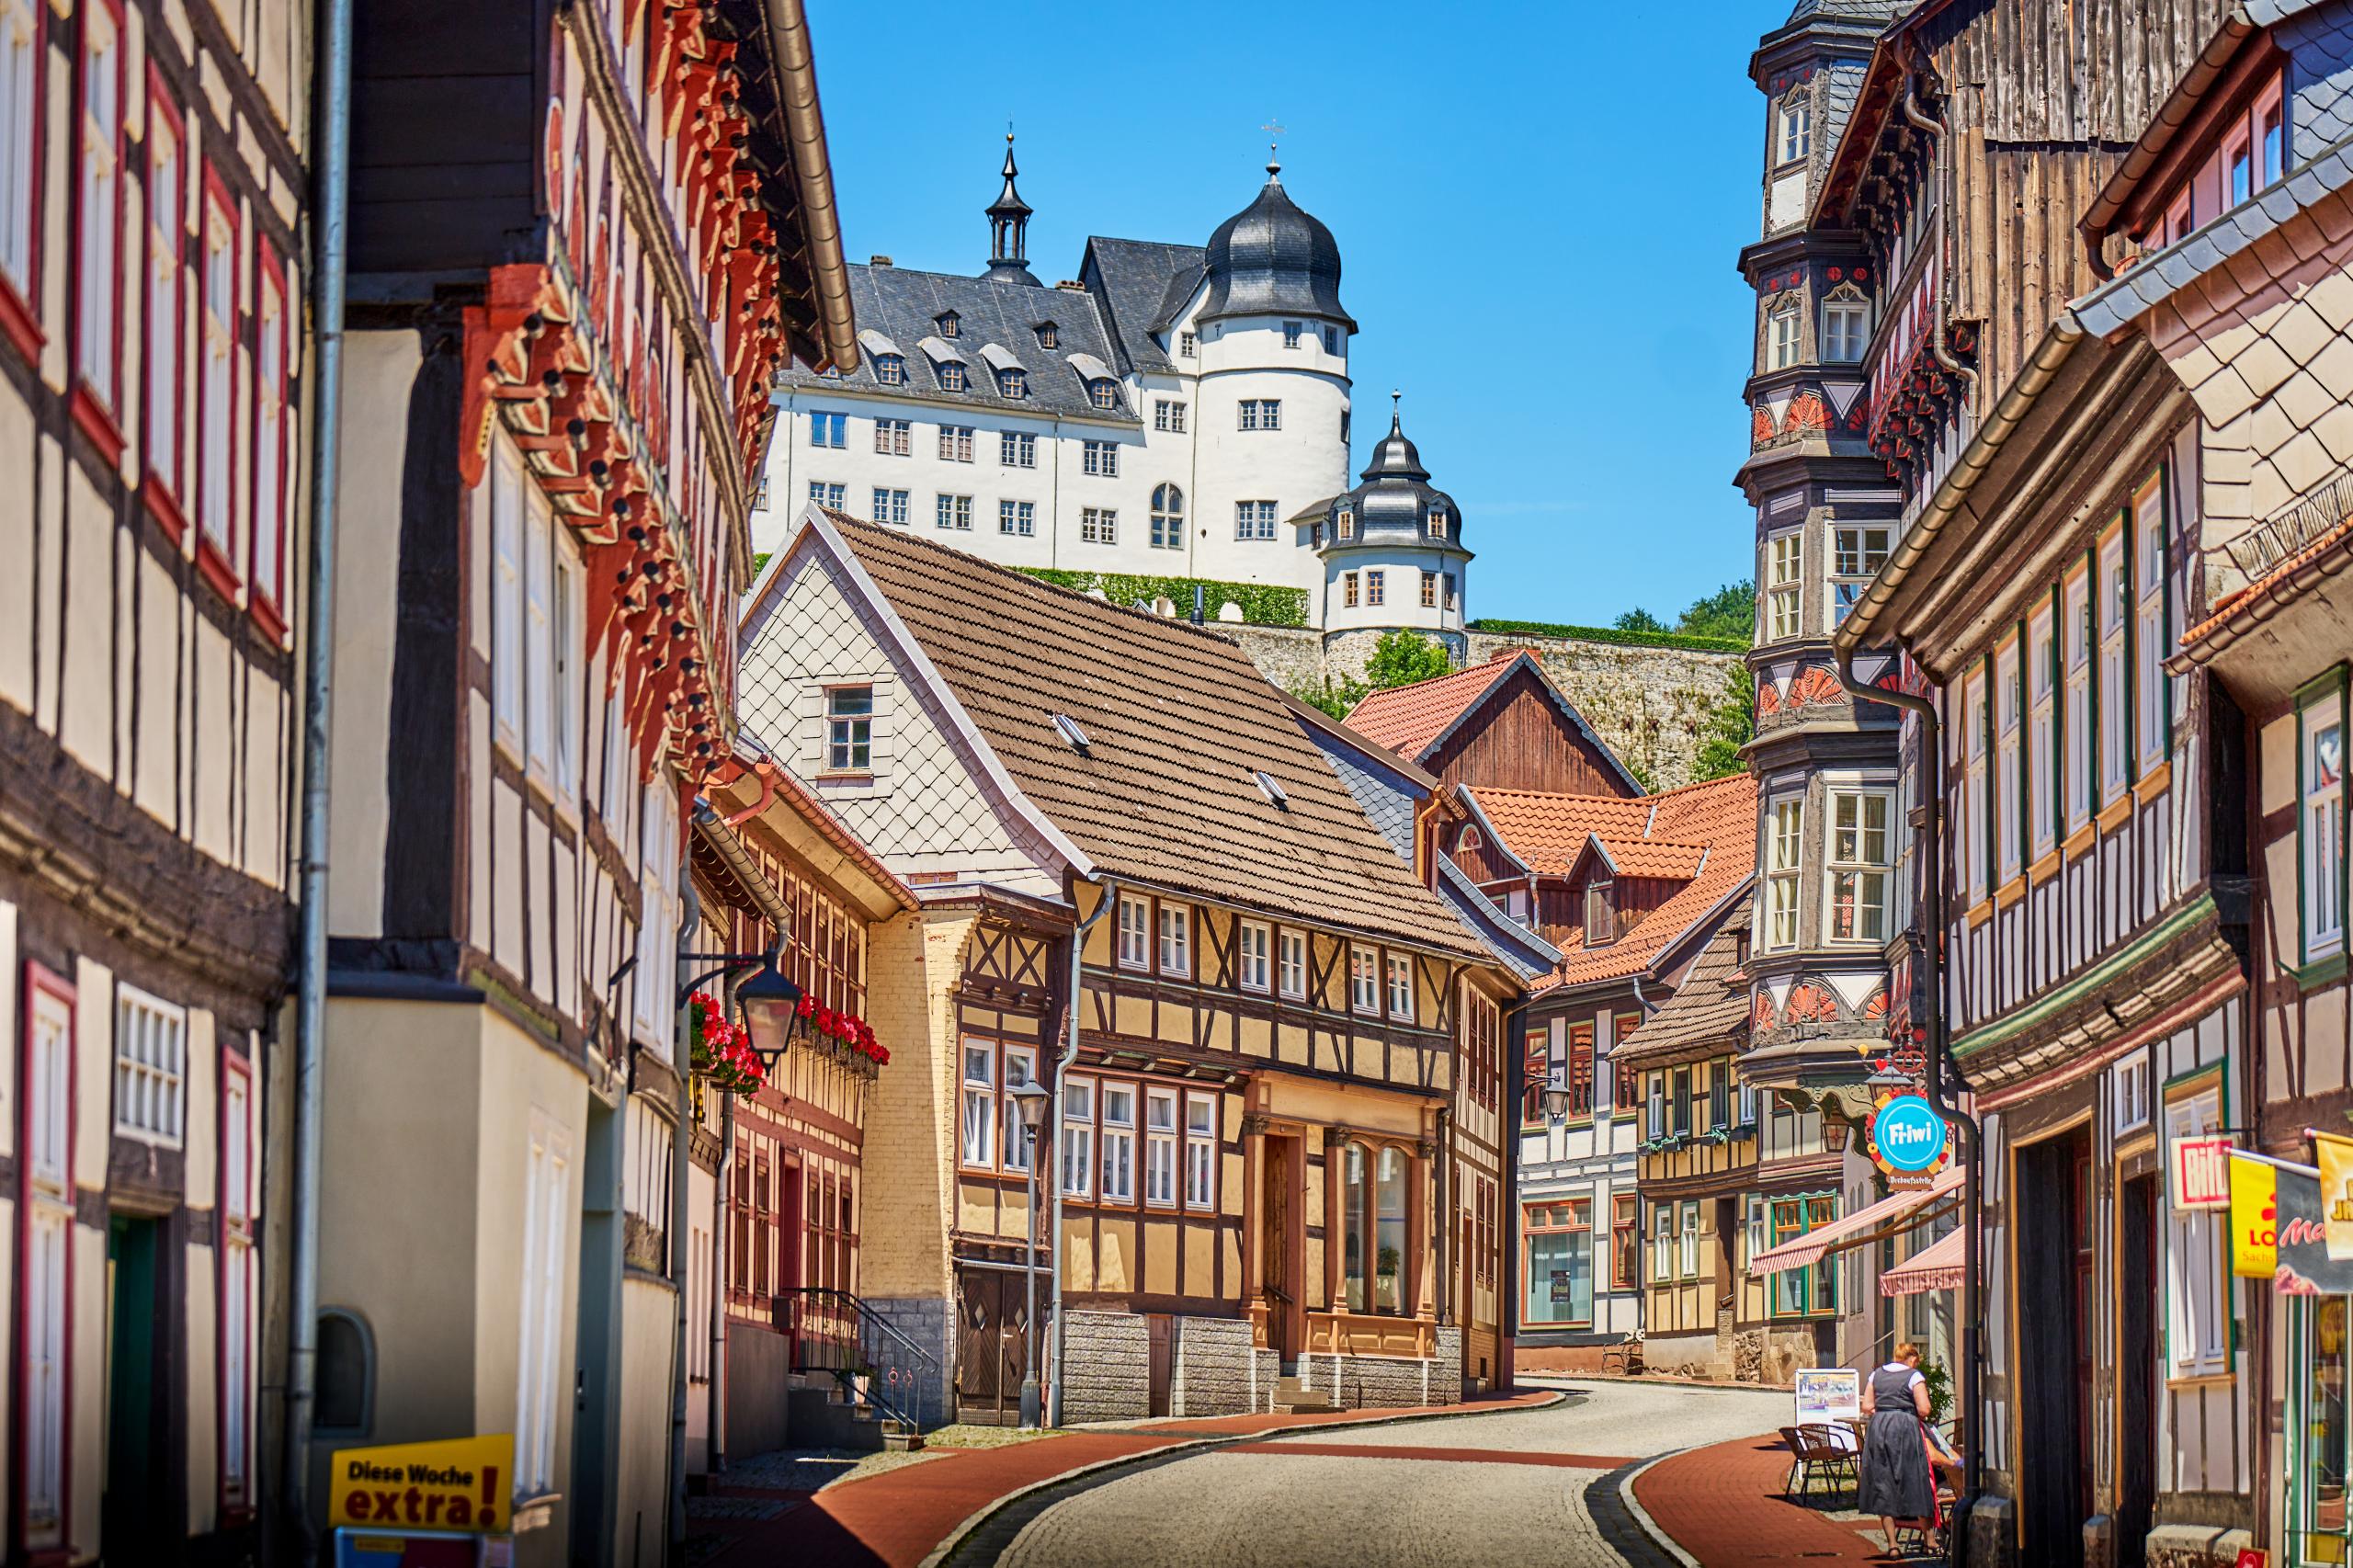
(1261, 605)
(1612, 634)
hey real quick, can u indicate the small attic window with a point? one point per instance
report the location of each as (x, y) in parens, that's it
(1012, 384)
(1271, 789)
(1049, 335)
(891, 369)
(1470, 843)
(1347, 523)
(1067, 727)
(947, 321)
(1439, 522)
(1103, 395)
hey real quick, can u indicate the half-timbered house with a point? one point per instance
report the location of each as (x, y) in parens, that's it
(1273, 1054)
(152, 184)
(1503, 724)
(557, 368)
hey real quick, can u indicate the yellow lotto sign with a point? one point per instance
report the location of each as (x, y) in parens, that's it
(2335, 1193)
(2255, 1223)
(461, 1484)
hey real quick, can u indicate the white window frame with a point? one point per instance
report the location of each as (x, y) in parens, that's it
(849, 732)
(1784, 335)
(218, 512)
(1254, 520)
(1017, 448)
(894, 437)
(1018, 518)
(1846, 329)
(2076, 691)
(540, 1385)
(1784, 867)
(506, 640)
(956, 442)
(2043, 736)
(46, 1290)
(1118, 1134)
(1662, 1242)
(1848, 852)
(1785, 578)
(1174, 952)
(1400, 971)
(98, 174)
(976, 1104)
(164, 309)
(890, 506)
(1017, 1068)
(1364, 980)
(1200, 1151)
(1160, 1146)
(2009, 733)
(23, 72)
(1854, 561)
(829, 431)
(659, 846)
(1259, 414)
(539, 633)
(2115, 585)
(1793, 126)
(1688, 1240)
(1251, 955)
(1291, 965)
(2151, 638)
(1167, 517)
(2198, 1285)
(2320, 818)
(149, 1068)
(953, 513)
(1135, 933)
(1098, 525)
(1101, 459)
(1078, 1136)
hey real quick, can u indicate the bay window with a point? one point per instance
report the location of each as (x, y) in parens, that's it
(1861, 855)
(1160, 1148)
(2320, 813)
(1783, 845)
(1859, 554)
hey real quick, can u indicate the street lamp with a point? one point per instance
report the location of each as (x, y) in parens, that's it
(1833, 1131)
(771, 1006)
(1031, 1099)
(1556, 1102)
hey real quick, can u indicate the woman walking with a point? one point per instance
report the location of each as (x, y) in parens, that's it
(1895, 1482)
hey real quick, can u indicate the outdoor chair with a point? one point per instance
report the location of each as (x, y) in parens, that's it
(1817, 1450)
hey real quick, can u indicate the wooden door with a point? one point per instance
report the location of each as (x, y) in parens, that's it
(2137, 1352)
(1160, 1366)
(992, 1345)
(1278, 1277)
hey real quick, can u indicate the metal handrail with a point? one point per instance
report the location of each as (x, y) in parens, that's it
(875, 1363)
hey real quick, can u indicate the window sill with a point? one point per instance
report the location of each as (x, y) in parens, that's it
(273, 624)
(2045, 869)
(1979, 914)
(93, 419)
(2155, 782)
(2079, 841)
(164, 509)
(215, 569)
(2116, 813)
(2009, 893)
(18, 325)
(2326, 969)
(845, 777)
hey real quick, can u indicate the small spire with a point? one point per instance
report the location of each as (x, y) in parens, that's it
(1273, 128)
(1396, 419)
(1008, 218)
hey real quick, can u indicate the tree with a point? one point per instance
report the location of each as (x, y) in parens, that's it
(1399, 658)
(1726, 727)
(1640, 621)
(1730, 612)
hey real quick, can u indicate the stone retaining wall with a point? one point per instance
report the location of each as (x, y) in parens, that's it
(1106, 1368)
(1214, 1374)
(924, 1320)
(1388, 1382)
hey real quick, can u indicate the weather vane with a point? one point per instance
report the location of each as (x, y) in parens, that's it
(1274, 129)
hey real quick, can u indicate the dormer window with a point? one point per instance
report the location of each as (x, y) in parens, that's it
(1346, 523)
(1047, 334)
(1185, 343)
(1103, 395)
(951, 377)
(891, 369)
(1600, 913)
(1292, 332)
(1012, 383)
(949, 324)
(1469, 844)
(1331, 340)
(1438, 523)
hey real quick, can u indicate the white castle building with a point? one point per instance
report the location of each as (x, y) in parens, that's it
(1179, 411)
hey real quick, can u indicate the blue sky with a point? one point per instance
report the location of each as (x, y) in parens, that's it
(1538, 208)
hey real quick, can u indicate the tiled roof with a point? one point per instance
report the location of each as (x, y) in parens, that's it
(1707, 1011)
(1547, 832)
(1652, 857)
(1410, 720)
(1176, 720)
(1134, 279)
(2281, 583)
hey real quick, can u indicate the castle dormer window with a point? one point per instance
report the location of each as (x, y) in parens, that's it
(1439, 522)
(1047, 334)
(948, 322)
(1012, 383)
(1331, 340)
(1796, 127)
(951, 377)
(1345, 525)
(891, 369)
(1103, 395)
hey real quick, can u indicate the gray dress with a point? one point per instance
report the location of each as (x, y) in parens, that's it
(1895, 1481)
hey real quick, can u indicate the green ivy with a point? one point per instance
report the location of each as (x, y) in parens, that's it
(1261, 605)
(1622, 636)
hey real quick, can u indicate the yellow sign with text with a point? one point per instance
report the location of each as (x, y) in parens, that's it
(2335, 1193)
(2255, 1219)
(462, 1484)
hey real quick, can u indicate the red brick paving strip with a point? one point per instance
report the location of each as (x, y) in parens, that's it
(895, 1520)
(1722, 1504)
(1450, 1455)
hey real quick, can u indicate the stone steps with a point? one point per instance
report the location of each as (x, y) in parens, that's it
(1291, 1398)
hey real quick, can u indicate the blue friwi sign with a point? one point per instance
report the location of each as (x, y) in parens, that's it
(1909, 1138)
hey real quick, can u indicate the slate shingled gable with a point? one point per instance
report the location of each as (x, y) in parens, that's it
(1176, 720)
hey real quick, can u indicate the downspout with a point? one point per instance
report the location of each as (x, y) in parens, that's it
(1939, 1089)
(1936, 130)
(331, 214)
(681, 1173)
(1111, 889)
(1507, 1275)
(1439, 1201)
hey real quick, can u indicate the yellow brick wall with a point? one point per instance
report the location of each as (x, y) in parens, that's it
(913, 963)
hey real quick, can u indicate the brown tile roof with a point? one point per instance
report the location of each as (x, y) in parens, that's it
(1547, 832)
(1406, 719)
(1708, 1011)
(1648, 858)
(2281, 583)
(1176, 721)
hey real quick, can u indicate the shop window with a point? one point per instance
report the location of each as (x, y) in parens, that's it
(1560, 1263)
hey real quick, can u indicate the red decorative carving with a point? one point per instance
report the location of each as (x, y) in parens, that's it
(1807, 416)
(1760, 428)
(1875, 1006)
(1760, 1014)
(1810, 1004)
(1815, 685)
(1768, 698)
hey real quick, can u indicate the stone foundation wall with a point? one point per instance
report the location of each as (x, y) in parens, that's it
(1680, 1355)
(1106, 1368)
(927, 1320)
(1215, 1370)
(1388, 1382)
(1783, 1351)
(2195, 1546)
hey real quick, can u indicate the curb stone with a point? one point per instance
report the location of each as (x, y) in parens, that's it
(971, 1524)
(1641, 1516)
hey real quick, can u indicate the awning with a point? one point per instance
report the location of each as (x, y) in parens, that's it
(1938, 1266)
(1863, 1225)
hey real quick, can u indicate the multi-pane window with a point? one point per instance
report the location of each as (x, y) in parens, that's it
(952, 376)
(1429, 590)
(1348, 591)
(1078, 1137)
(1784, 571)
(1168, 415)
(1160, 1147)
(1441, 522)
(1201, 1151)
(2115, 711)
(97, 349)
(1103, 395)
(1375, 586)
(166, 176)
(1261, 413)
(2076, 617)
(1625, 1085)
(953, 512)
(1782, 335)
(1185, 344)
(1687, 1242)
(978, 1114)
(949, 324)
(1783, 845)
(1020, 1066)
(1098, 525)
(20, 82)
(2010, 803)
(1364, 981)
(1861, 855)
(1176, 939)
(1846, 323)
(2151, 635)
(1013, 384)
(1600, 912)
(1253, 519)
(824, 494)
(1662, 1242)
(894, 437)
(891, 369)
(849, 728)
(1291, 949)
(1135, 933)
(1167, 517)
(149, 1068)
(1252, 943)
(955, 443)
(270, 454)
(1654, 1121)
(1625, 1241)
(1344, 524)
(216, 500)
(1292, 331)
(1796, 128)
(890, 506)
(1972, 836)
(1449, 590)
(2198, 1296)
(1018, 448)
(1099, 458)
(1856, 555)
(2042, 697)
(1813, 1290)
(2320, 815)
(829, 430)
(1118, 1144)
(1016, 518)
(540, 1382)
(1579, 1072)
(1401, 987)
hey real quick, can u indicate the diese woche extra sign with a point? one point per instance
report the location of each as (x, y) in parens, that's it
(461, 1484)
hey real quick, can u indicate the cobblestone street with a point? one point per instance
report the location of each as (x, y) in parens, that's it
(1508, 1487)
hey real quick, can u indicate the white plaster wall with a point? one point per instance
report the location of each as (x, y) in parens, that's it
(1402, 599)
(1305, 462)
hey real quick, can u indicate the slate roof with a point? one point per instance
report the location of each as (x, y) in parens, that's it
(1176, 721)
(1548, 832)
(904, 305)
(1140, 285)
(1273, 258)
(1410, 720)
(1707, 1012)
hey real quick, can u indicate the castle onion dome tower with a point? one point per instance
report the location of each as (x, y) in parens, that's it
(1273, 259)
(1392, 550)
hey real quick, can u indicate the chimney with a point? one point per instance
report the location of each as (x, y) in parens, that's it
(878, 261)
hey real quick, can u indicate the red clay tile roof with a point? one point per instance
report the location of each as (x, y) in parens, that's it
(1547, 832)
(1652, 857)
(2274, 583)
(1406, 719)
(1176, 720)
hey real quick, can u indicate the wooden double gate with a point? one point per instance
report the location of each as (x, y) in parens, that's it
(992, 1344)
